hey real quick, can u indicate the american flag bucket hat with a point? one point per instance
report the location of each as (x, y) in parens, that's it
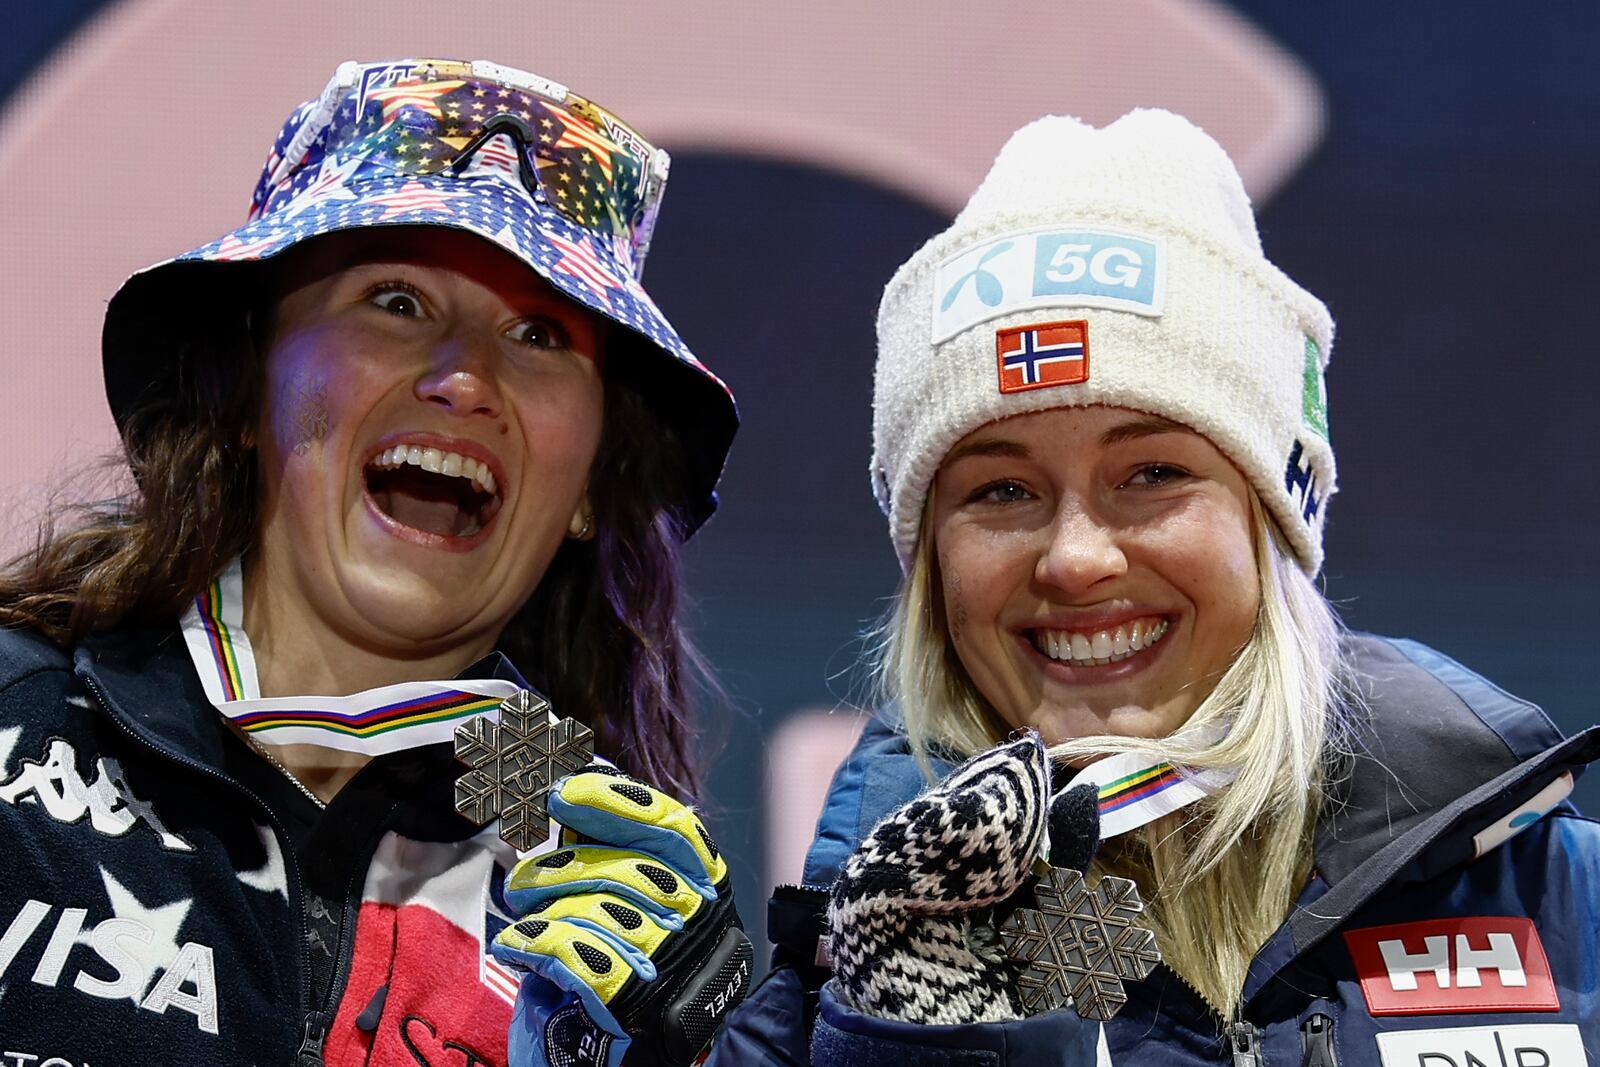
(519, 160)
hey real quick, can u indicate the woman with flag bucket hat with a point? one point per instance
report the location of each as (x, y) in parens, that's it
(415, 419)
(1197, 821)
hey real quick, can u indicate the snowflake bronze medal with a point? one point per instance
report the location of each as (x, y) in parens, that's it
(1079, 945)
(513, 765)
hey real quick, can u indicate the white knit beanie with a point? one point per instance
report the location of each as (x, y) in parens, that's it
(1119, 267)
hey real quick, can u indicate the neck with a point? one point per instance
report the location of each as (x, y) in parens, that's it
(297, 653)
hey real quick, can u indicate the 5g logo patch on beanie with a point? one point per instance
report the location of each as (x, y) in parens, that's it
(1042, 354)
(1049, 268)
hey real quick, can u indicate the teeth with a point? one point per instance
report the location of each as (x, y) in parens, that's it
(439, 462)
(1103, 646)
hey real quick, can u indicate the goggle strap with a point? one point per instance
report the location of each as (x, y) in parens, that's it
(655, 185)
(343, 80)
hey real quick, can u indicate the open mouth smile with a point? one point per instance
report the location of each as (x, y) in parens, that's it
(1100, 647)
(433, 490)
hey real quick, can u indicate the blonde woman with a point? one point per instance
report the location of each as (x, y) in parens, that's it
(1101, 438)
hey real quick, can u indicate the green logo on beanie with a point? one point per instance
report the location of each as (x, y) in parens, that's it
(1316, 391)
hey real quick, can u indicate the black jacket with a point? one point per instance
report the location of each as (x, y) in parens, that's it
(172, 898)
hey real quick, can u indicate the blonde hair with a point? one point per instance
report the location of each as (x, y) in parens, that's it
(1222, 874)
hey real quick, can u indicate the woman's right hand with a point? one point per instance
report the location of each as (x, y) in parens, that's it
(909, 932)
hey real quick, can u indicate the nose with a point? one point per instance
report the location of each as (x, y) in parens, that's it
(1083, 551)
(461, 378)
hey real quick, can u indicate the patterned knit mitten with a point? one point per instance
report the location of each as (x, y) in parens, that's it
(902, 935)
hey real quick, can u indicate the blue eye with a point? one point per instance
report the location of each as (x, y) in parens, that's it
(1156, 475)
(1005, 491)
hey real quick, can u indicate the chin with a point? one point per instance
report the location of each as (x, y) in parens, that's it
(1065, 724)
(426, 609)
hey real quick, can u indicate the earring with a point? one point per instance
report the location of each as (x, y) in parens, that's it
(586, 531)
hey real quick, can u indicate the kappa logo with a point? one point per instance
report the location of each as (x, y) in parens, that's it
(1537, 1045)
(1453, 965)
(55, 785)
(1048, 268)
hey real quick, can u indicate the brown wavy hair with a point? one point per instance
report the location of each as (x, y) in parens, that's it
(601, 635)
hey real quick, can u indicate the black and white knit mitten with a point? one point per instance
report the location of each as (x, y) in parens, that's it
(901, 932)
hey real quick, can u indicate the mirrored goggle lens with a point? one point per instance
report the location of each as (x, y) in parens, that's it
(594, 171)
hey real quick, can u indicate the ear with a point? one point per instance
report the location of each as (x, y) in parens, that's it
(581, 526)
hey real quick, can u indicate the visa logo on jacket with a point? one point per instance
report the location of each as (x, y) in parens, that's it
(134, 945)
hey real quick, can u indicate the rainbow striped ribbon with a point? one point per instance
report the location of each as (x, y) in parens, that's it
(375, 721)
(1135, 790)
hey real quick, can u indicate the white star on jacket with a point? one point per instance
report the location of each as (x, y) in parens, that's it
(155, 954)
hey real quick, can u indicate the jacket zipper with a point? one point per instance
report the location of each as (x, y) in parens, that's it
(312, 1035)
(309, 1055)
(262, 751)
(1244, 1043)
(1317, 1035)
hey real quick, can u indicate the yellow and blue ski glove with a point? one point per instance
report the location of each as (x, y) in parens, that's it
(628, 931)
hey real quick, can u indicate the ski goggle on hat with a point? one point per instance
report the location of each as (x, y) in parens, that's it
(557, 181)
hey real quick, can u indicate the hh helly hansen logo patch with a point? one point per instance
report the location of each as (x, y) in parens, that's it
(54, 785)
(1042, 355)
(1048, 268)
(1481, 964)
(1521, 1045)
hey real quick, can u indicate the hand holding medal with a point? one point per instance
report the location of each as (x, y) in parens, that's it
(910, 919)
(629, 935)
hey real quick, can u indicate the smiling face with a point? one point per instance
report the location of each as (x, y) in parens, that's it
(1097, 567)
(432, 408)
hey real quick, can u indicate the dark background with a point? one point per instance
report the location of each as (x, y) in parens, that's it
(1449, 219)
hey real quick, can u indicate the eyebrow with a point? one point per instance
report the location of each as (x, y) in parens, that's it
(1147, 426)
(1132, 430)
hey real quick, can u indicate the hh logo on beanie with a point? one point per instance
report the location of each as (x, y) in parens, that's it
(1042, 355)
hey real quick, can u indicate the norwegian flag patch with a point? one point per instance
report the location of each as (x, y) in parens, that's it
(1042, 354)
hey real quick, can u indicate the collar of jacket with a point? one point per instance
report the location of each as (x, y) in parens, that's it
(145, 681)
(1439, 754)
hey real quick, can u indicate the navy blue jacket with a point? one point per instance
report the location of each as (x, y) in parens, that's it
(1446, 924)
(172, 898)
